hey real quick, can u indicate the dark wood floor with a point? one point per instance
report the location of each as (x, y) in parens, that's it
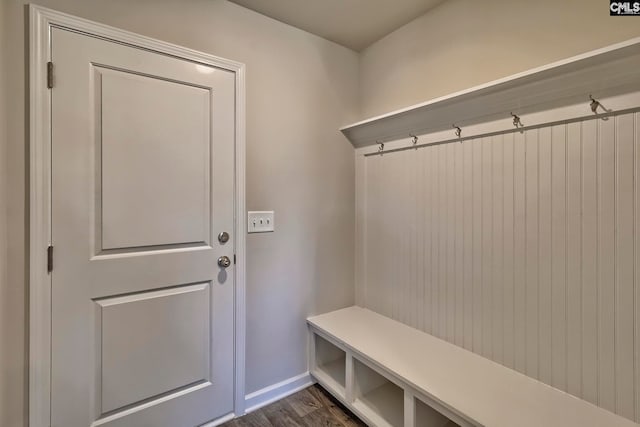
(311, 407)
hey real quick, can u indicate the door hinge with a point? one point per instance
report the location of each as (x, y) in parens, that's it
(50, 75)
(49, 259)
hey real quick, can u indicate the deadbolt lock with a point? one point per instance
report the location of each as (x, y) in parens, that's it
(223, 237)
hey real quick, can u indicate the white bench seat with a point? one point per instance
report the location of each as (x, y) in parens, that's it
(465, 387)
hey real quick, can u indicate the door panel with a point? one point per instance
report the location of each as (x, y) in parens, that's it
(154, 159)
(142, 178)
(176, 350)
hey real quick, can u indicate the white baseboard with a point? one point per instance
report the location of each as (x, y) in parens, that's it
(267, 395)
(219, 421)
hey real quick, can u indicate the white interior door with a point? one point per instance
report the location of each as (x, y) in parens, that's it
(142, 184)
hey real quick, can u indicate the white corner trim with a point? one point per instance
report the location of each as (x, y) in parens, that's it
(241, 243)
(272, 393)
(41, 21)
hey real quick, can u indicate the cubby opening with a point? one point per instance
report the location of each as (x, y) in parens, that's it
(380, 399)
(426, 416)
(330, 361)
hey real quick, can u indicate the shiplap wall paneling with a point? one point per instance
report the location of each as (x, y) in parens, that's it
(624, 267)
(522, 247)
(636, 269)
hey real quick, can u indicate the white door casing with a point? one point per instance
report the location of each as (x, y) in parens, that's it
(144, 173)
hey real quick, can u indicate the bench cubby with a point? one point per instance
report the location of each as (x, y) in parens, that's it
(329, 364)
(374, 395)
(426, 416)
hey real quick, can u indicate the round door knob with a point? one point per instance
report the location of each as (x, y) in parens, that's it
(224, 261)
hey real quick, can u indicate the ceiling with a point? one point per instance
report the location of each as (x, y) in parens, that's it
(355, 24)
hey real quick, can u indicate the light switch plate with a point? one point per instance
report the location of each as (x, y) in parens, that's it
(260, 222)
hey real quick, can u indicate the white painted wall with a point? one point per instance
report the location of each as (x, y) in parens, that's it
(463, 43)
(520, 247)
(300, 89)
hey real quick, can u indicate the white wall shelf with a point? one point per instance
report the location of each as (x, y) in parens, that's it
(602, 73)
(398, 376)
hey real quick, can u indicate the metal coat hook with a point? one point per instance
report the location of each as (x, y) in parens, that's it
(414, 139)
(516, 121)
(381, 148)
(458, 131)
(594, 104)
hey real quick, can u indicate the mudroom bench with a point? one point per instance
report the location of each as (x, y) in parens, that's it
(392, 375)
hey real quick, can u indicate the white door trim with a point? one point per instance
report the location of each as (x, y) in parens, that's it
(41, 21)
